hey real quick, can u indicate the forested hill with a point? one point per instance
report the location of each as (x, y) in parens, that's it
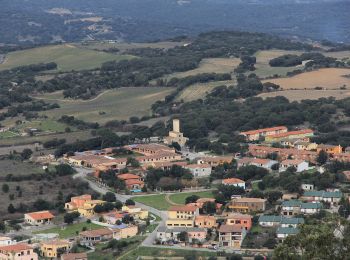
(151, 64)
(42, 21)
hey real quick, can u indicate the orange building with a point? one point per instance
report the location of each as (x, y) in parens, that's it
(347, 175)
(204, 221)
(255, 135)
(298, 134)
(283, 153)
(330, 149)
(163, 165)
(132, 181)
(133, 184)
(234, 182)
(20, 251)
(128, 176)
(245, 205)
(215, 161)
(200, 202)
(39, 218)
(240, 220)
(77, 202)
(149, 149)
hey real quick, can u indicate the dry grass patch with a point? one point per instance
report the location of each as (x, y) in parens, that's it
(338, 54)
(330, 78)
(263, 69)
(67, 57)
(298, 95)
(113, 104)
(200, 90)
(211, 65)
(128, 46)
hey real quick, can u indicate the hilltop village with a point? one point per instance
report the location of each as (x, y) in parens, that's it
(245, 202)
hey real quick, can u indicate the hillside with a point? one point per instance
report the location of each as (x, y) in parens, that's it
(41, 21)
(108, 86)
(68, 57)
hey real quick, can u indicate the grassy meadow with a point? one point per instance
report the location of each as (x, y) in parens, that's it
(124, 46)
(263, 69)
(115, 104)
(68, 57)
(329, 78)
(20, 140)
(180, 198)
(70, 230)
(200, 90)
(161, 202)
(301, 94)
(210, 65)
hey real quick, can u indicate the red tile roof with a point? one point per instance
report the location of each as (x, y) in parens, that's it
(238, 216)
(232, 181)
(128, 176)
(74, 256)
(230, 228)
(291, 162)
(133, 181)
(299, 132)
(41, 215)
(247, 160)
(195, 166)
(15, 248)
(257, 131)
(183, 208)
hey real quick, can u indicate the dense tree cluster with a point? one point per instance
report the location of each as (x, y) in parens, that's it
(314, 60)
(287, 60)
(80, 124)
(322, 240)
(151, 65)
(167, 179)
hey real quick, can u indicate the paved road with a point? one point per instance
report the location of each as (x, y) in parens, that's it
(82, 173)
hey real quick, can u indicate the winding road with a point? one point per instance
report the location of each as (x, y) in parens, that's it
(82, 174)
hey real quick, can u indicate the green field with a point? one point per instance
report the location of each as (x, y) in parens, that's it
(200, 90)
(70, 230)
(210, 65)
(46, 125)
(165, 252)
(7, 134)
(124, 46)
(159, 201)
(101, 254)
(71, 137)
(180, 198)
(263, 69)
(18, 168)
(115, 104)
(68, 57)
(154, 201)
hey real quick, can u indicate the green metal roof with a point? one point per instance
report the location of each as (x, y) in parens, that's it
(270, 218)
(311, 205)
(293, 221)
(323, 194)
(291, 203)
(287, 230)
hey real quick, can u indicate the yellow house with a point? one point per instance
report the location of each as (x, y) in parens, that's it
(299, 134)
(183, 212)
(87, 210)
(135, 211)
(125, 232)
(170, 223)
(54, 248)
